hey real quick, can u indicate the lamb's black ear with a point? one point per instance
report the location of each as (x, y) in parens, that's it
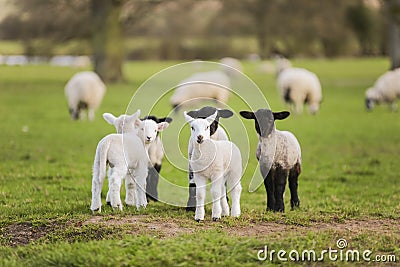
(281, 115)
(247, 115)
(166, 119)
(225, 113)
(193, 113)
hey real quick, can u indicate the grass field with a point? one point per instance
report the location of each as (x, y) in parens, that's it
(349, 188)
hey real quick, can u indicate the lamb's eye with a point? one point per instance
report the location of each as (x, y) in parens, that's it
(142, 129)
(192, 128)
(207, 127)
(155, 131)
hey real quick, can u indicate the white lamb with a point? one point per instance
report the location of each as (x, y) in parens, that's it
(85, 90)
(298, 86)
(385, 90)
(231, 66)
(212, 85)
(126, 154)
(218, 161)
(275, 168)
(216, 133)
(154, 147)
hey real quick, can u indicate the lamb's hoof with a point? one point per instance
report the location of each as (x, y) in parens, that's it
(98, 210)
(215, 219)
(295, 204)
(109, 203)
(191, 209)
(198, 220)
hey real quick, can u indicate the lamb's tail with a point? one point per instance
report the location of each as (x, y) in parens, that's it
(100, 161)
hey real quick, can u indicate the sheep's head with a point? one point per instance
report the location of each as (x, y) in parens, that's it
(124, 123)
(148, 129)
(372, 97)
(200, 128)
(264, 120)
(208, 111)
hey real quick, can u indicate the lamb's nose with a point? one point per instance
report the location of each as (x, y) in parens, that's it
(199, 139)
(148, 138)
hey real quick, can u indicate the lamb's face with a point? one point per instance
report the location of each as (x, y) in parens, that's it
(371, 98)
(200, 128)
(264, 120)
(148, 129)
(208, 111)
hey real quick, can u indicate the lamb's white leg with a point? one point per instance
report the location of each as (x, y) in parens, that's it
(140, 175)
(200, 182)
(97, 185)
(108, 200)
(130, 190)
(236, 189)
(224, 201)
(216, 195)
(115, 181)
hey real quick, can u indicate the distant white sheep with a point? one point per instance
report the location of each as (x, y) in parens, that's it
(385, 90)
(85, 90)
(279, 155)
(216, 133)
(219, 161)
(298, 86)
(231, 66)
(212, 85)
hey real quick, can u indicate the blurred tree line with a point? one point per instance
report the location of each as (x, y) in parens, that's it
(113, 30)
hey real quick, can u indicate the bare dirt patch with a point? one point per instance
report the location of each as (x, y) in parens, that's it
(25, 233)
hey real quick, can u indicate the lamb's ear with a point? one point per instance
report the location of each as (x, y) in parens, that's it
(188, 118)
(212, 118)
(162, 126)
(247, 115)
(225, 113)
(281, 115)
(166, 119)
(193, 113)
(110, 118)
(136, 114)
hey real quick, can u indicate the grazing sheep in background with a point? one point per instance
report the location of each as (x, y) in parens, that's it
(298, 86)
(385, 90)
(84, 90)
(150, 126)
(201, 86)
(216, 133)
(219, 161)
(231, 66)
(285, 162)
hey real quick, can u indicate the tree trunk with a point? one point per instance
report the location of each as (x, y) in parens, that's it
(393, 14)
(107, 39)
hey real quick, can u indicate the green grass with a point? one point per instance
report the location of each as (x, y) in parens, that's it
(350, 173)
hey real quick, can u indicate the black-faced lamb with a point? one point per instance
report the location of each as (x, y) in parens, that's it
(279, 156)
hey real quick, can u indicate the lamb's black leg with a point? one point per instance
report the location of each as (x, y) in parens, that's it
(269, 187)
(280, 184)
(152, 182)
(293, 178)
(191, 203)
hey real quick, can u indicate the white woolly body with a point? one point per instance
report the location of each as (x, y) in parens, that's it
(85, 87)
(303, 84)
(125, 154)
(386, 88)
(287, 150)
(201, 86)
